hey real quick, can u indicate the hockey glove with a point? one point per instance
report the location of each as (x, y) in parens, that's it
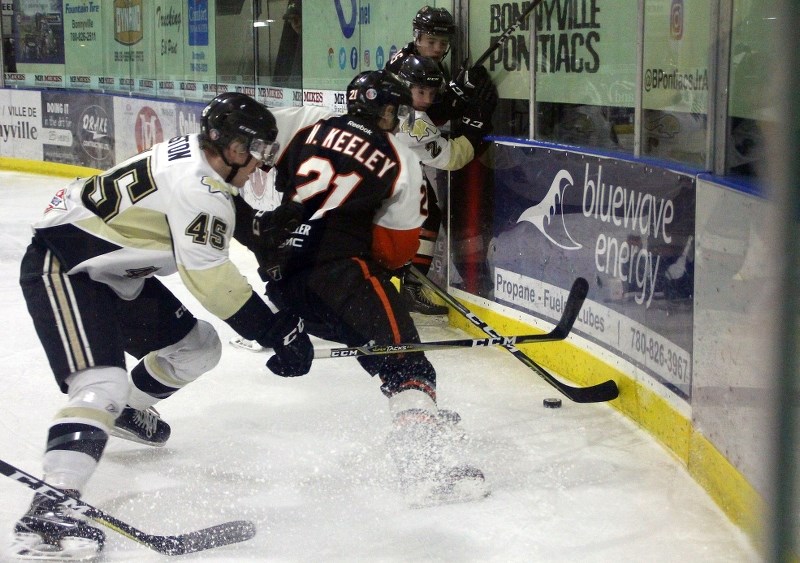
(274, 227)
(289, 340)
(474, 125)
(476, 90)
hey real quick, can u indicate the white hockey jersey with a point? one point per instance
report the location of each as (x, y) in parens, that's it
(163, 211)
(432, 149)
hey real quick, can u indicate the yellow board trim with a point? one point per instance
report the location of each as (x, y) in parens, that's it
(705, 463)
(47, 168)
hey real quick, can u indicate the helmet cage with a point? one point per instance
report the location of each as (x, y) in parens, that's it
(233, 116)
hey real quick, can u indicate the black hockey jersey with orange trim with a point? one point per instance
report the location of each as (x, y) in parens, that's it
(362, 191)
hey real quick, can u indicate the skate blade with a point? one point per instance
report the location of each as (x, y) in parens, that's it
(244, 344)
(31, 547)
(131, 437)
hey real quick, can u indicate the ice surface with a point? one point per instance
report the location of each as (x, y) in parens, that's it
(304, 458)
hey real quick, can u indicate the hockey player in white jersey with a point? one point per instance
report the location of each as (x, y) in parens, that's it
(88, 281)
(436, 152)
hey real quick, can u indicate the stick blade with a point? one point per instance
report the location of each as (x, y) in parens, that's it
(600, 393)
(208, 538)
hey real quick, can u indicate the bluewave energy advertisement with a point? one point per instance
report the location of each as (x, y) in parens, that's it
(625, 227)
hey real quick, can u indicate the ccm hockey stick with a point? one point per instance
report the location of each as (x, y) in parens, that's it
(207, 538)
(463, 75)
(605, 391)
(573, 306)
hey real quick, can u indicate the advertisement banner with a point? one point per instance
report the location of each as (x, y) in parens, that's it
(38, 30)
(21, 128)
(140, 124)
(83, 124)
(583, 52)
(676, 48)
(199, 58)
(87, 37)
(351, 36)
(170, 39)
(625, 227)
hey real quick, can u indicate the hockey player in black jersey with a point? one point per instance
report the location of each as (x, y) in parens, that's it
(88, 280)
(363, 200)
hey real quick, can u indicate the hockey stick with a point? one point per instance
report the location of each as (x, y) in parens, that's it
(605, 391)
(207, 538)
(573, 306)
(463, 74)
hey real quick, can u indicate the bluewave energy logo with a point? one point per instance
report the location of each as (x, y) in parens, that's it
(548, 214)
(625, 216)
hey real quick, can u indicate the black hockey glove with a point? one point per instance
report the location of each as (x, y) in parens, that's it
(475, 90)
(293, 350)
(474, 125)
(274, 227)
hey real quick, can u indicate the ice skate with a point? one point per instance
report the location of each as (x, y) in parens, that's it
(417, 300)
(423, 448)
(142, 426)
(51, 532)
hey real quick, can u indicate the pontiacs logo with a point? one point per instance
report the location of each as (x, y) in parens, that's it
(548, 214)
(94, 134)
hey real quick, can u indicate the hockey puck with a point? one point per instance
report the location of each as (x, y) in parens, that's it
(552, 403)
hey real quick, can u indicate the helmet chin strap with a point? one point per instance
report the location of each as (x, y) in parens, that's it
(235, 167)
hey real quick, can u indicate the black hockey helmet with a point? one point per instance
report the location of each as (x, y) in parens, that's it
(235, 116)
(433, 21)
(369, 92)
(421, 71)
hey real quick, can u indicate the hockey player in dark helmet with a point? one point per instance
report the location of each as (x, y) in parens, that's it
(362, 195)
(233, 116)
(379, 96)
(436, 152)
(433, 31)
(106, 249)
(424, 78)
(469, 114)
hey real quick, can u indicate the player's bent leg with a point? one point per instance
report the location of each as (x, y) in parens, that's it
(159, 375)
(424, 448)
(416, 298)
(79, 431)
(75, 443)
